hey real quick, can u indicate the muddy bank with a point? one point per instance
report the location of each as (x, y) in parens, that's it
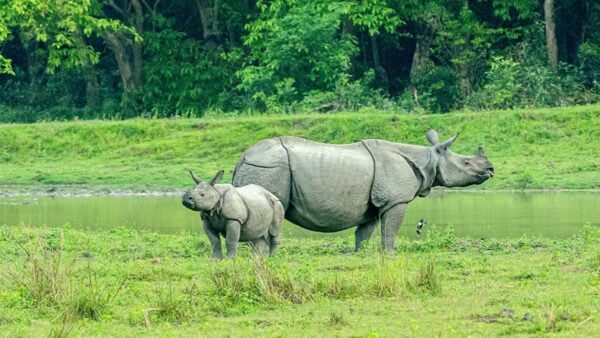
(80, 191)
(83, 191)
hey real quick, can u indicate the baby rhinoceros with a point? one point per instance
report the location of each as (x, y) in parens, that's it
(239, 214)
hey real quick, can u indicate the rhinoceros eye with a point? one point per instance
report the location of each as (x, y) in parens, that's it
(467, 162)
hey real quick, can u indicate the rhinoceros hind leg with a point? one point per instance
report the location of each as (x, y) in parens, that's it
(390, 223)
(275, 229)
(260, 245)
(363, 233)
(273, 244)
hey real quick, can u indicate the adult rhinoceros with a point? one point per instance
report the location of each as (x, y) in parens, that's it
(330, 187)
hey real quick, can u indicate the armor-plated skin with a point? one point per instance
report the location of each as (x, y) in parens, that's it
(328, 187)
(244, 214)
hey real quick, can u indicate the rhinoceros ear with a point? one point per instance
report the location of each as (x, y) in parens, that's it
(194, 177)
(442, 147)
(432, 137)
(480, 151)
(217, 178)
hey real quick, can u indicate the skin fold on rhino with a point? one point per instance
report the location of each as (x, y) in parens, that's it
(332, 187)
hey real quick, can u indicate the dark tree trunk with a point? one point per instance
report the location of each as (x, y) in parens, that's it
(92, 87)
(464, 81)
(34, 66)
(120, 50)
(363, 47)
(136, 48)
(551, 43)
(380, 73)
(424, 38)
(208, 10)
(128, 52)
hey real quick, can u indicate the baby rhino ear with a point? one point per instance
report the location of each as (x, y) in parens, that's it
(194, 177)
(217, 178)
(480, 151)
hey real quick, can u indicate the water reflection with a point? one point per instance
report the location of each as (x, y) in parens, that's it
(491, 214)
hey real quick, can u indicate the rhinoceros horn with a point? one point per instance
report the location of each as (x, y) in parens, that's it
(194, 177)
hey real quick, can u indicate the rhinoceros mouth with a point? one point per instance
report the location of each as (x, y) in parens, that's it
(190, 205)
(485, 177)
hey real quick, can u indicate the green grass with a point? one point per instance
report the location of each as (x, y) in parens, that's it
(542, 148)
(128, 283)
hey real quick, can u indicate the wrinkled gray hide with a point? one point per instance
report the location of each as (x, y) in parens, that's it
(328, 187)
(244, 214)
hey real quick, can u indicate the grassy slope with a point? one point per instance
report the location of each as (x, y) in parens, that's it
(547, 148)
(522, 287)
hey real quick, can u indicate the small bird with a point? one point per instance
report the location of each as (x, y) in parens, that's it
(421, 225)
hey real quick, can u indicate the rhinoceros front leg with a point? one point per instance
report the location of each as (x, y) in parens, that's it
(390, 223)
(363, 233)
(215, 240)
(232, 237)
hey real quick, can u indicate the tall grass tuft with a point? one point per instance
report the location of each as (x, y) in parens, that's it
(43, 273)
(88, 300)
(388, 279)
(65, 327)
(256, 281)
(229, 279)
(340, 286)
(337, 318)
(276, 286)
(427, 279)
(381, 279)
(169, 306)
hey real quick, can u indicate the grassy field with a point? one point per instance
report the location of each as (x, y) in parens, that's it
(543, 148)
(62, 282)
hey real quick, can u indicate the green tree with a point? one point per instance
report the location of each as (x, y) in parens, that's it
(62, 27)
(295, 48)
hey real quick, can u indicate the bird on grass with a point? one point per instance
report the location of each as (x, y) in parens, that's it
(421, 225)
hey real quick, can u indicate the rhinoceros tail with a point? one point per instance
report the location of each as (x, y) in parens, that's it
(278, 214)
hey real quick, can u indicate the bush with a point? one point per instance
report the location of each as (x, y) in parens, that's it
(517, 84)
(182, 76)
(348, 95)
(437, 89)
(589, 61)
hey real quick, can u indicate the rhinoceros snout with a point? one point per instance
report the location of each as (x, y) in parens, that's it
(187, 200)
(490, 171)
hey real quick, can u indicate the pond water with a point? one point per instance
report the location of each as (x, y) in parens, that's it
(474, 214)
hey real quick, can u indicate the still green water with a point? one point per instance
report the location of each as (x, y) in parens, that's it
(481, 214)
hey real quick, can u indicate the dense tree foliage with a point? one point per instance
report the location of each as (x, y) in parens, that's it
(121, 58)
